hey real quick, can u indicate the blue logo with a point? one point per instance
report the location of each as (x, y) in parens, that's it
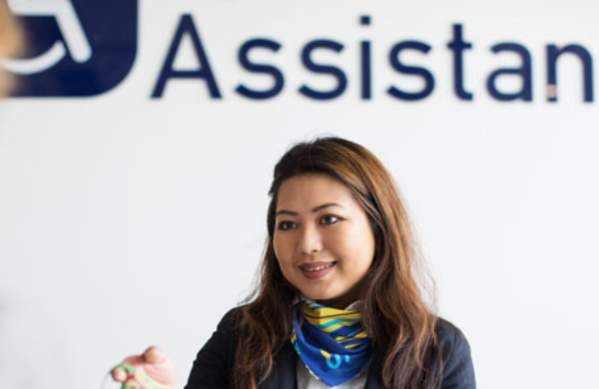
(74, 47)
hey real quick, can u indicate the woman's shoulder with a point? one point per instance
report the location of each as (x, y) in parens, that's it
(449, 333)
(451, 341)
(231, 319)
(455, 354)
(215, 360)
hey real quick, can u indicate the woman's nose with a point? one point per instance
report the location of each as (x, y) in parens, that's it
(310, 240)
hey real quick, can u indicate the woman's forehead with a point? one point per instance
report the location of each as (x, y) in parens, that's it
(312, 190)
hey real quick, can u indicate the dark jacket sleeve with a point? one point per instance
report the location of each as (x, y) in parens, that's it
(458, 372)
(214, 362)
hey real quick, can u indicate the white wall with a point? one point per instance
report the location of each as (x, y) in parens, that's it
(126, 221)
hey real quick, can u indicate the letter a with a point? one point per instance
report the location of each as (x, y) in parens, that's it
(186, 26)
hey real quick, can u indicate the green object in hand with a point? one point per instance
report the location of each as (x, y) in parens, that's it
(139, 376)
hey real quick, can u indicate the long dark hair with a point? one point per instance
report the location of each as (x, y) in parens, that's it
(395, 314)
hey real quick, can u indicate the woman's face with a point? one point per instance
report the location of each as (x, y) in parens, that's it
(322, 239)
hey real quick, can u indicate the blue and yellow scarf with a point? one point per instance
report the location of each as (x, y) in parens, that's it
(331, 342)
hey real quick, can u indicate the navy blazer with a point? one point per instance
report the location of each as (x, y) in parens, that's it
(214, 362)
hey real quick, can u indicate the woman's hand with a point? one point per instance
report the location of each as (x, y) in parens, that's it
(153, 363)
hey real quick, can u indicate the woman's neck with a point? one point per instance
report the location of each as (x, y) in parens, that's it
(338, 303)
(346, 299)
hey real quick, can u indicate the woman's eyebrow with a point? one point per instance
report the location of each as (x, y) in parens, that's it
(315, 209)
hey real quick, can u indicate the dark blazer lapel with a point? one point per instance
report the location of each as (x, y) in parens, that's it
(284, 374)
(373, 381)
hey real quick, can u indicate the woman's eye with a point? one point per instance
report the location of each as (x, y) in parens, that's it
(286, 225)
(329, 219)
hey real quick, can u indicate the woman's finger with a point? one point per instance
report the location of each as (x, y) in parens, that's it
(118, 374)
(135, 360)
(153, 355)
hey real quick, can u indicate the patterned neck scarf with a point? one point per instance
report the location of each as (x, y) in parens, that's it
(331, 342)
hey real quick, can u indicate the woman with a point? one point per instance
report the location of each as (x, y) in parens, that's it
(337, 304)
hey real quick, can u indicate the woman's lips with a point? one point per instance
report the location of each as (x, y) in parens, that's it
(314, 270)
